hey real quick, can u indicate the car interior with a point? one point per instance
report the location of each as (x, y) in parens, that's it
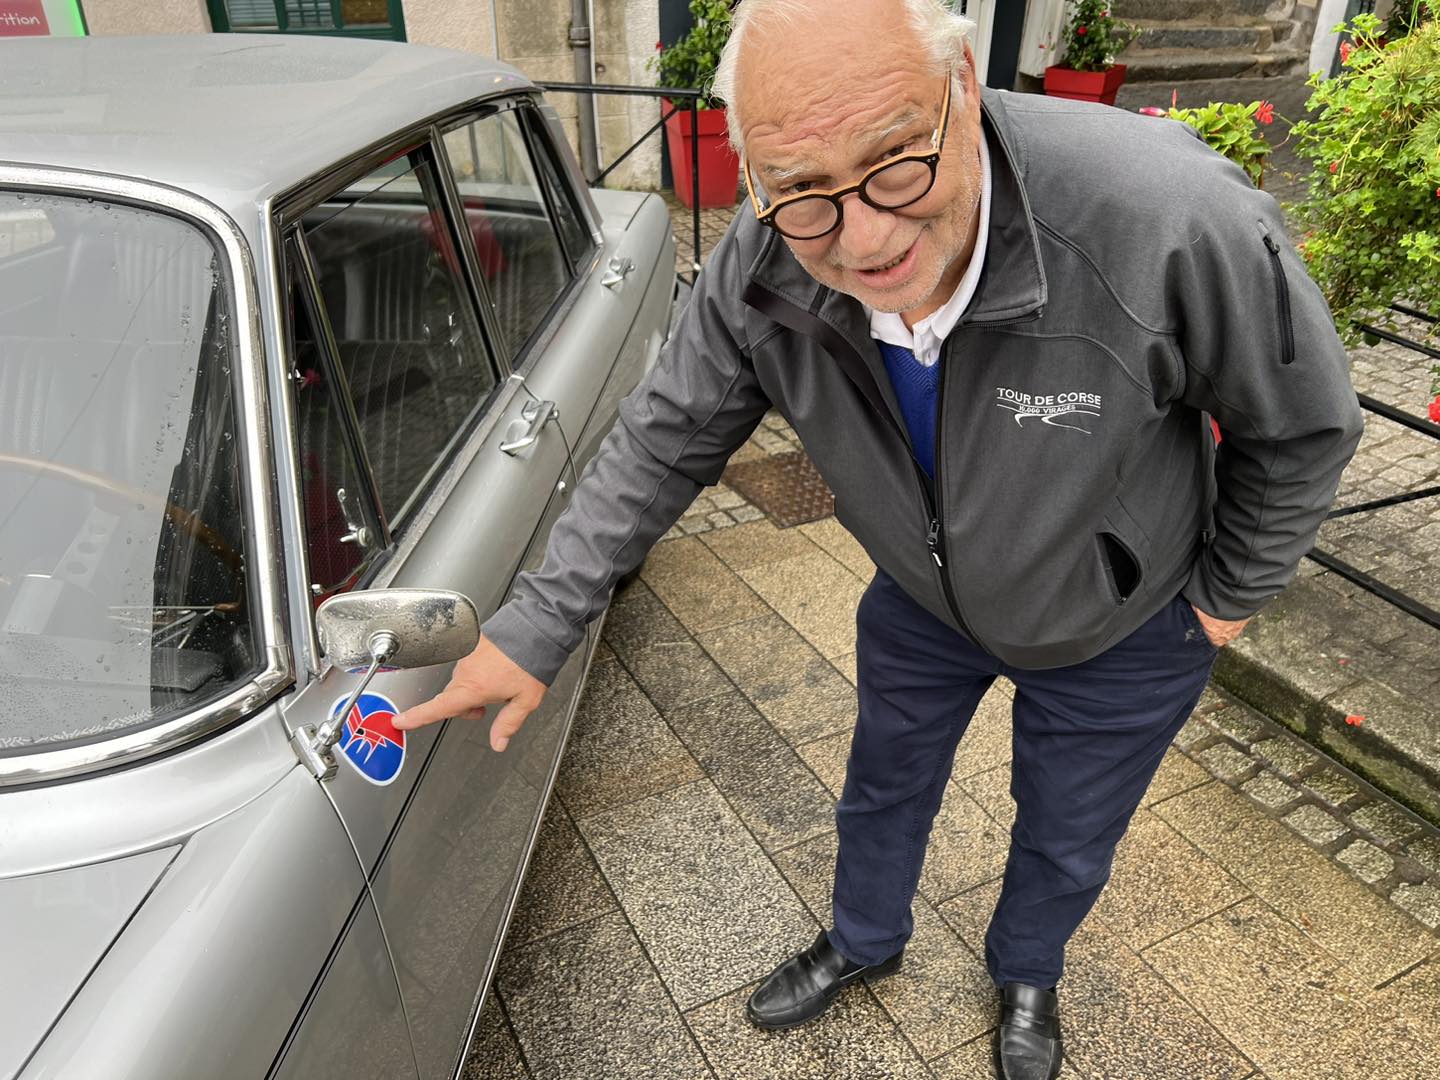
(123, 592)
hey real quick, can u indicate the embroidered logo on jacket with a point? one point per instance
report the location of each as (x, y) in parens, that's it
(1065, 410)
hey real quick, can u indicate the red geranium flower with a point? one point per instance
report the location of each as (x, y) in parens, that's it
(1334, 166)
(1435, 409)
(1344, 52)
(1266, 113)
(1082, 30)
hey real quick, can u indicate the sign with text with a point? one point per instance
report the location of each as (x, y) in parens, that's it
(23, 18)
(41, 18)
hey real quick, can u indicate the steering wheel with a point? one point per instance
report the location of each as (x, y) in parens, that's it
(187, 521)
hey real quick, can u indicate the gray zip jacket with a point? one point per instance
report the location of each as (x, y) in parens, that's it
(1133, 282)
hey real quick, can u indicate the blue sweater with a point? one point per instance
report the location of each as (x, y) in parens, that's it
(917, 387)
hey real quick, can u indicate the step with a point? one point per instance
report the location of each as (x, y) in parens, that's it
(1198, 35)
(1287, 665)
(1222, 12)
(1182, 65)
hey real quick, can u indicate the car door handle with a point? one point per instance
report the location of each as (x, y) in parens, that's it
(525, 430)
(616, 272)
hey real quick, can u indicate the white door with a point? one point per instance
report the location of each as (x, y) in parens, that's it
(983, 13)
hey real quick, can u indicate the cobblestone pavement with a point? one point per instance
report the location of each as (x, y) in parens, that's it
(1270, 914)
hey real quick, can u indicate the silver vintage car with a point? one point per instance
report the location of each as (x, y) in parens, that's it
(299, 339)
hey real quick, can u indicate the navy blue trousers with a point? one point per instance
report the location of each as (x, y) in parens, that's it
(1087, 740)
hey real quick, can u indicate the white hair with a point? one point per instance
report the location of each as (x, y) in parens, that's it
(941, 30)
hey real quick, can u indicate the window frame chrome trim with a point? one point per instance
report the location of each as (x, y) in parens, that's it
(518, 356)
(258, 485)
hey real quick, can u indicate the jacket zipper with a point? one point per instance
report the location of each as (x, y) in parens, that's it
(935, 535)
(1282, 301)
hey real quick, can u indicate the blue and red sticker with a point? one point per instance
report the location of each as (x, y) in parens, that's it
(369, 739)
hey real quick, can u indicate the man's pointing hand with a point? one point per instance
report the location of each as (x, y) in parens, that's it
(486, 675)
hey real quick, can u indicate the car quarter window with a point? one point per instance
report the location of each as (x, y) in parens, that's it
(341, 533)
(407, 335)
(516, 244)
(573, 230)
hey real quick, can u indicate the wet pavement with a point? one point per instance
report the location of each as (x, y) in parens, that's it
(1267, 915)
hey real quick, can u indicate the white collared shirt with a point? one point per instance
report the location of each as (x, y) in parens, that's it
(930, 332)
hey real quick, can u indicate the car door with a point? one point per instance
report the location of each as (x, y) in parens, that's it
(425, 460)
(566, 314)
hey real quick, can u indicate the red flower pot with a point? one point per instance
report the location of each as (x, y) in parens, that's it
(1084, 85)
(719, 167)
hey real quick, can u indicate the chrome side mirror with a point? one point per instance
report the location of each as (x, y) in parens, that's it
(421, 627)
(395, 628)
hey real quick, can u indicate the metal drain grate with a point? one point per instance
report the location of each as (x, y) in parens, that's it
(786, 486)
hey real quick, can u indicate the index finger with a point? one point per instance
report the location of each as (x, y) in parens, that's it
(442, 706)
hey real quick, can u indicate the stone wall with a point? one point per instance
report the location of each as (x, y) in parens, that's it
(147, 16)
(449, 25)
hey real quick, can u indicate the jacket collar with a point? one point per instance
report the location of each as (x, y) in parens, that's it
(1012, 283)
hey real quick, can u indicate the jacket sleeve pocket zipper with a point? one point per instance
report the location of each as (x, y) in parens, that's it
(1282, 301)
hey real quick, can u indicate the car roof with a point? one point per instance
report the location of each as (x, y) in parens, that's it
(233, 118)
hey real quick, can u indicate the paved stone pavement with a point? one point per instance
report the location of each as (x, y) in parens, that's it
(1271, 914)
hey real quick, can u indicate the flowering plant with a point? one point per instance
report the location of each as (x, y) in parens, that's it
(1094, 36)
(691, 61)
(1372, 216)
(1230, 128)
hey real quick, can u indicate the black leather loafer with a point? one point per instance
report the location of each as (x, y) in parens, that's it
(1028, 1046)
(802, 987)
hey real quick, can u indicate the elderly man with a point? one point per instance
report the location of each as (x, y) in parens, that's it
(997, 323)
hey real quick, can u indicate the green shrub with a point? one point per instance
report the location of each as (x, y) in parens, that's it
(1371, 220)
(1232, 129)
(691, 61)
(1094, 37)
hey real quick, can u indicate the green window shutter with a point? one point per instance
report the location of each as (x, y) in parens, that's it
(341, 18)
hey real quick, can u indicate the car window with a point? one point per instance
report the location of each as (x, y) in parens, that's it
(415, 364)
(124, 593)
(24, 226)
(516, 245)
(578, 241)
(341, 532)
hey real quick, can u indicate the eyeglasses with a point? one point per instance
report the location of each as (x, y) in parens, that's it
(894, 183)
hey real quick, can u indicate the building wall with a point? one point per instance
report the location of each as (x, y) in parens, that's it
(450, 25)
(534, 37)
(146, 16)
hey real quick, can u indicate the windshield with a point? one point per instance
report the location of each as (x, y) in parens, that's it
(123, 594)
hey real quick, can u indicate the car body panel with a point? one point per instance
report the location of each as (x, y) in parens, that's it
(449, 877)
(55, 927)
(160, 802)
(166, 1001)
(355, 1025)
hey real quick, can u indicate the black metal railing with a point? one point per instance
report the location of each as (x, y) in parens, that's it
(672, 95)
(1333, 562)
